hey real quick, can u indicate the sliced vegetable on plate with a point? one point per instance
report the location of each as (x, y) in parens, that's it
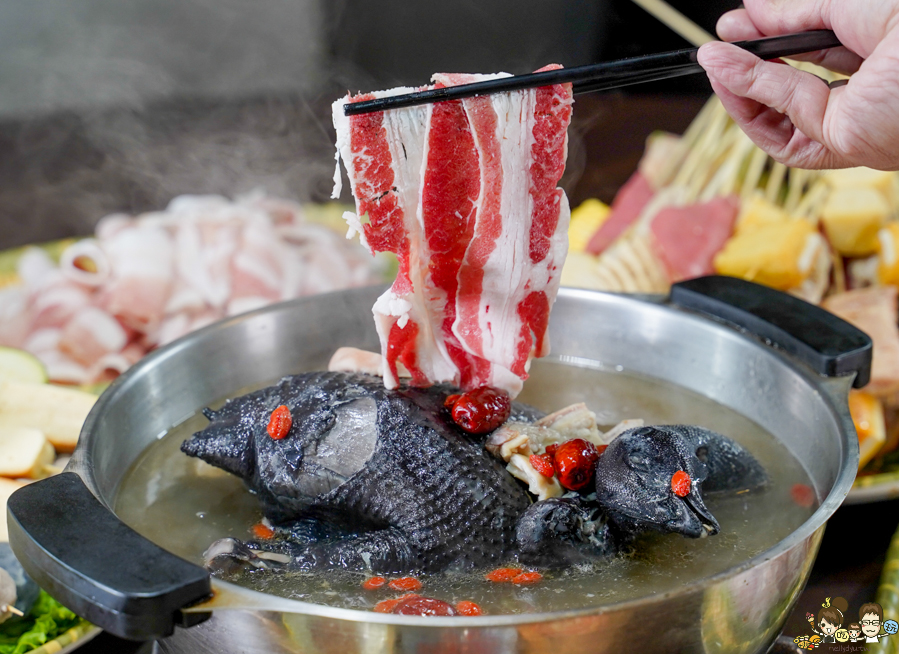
(20, 366)
(36, 419)
(56, 411)
(47, 622)
(25, 453)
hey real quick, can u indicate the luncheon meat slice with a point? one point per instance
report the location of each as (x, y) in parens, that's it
(626, 208)
(688, 238)
(473, 186)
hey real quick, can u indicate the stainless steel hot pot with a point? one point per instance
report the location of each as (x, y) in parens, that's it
(769, 356)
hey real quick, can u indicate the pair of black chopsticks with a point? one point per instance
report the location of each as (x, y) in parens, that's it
(607, 75)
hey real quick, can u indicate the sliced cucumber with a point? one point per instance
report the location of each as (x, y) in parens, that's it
(20, 366)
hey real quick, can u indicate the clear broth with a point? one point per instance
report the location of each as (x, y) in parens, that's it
(184, 504)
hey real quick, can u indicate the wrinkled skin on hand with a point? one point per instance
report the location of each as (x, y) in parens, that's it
(795, 116)
(384, 481)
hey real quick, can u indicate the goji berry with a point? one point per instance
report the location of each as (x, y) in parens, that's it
(263, 531)
(405, 583)
(527, 578)
(501, 575)
(482, 410)
(385, 606)
(373, 582)
(680, 483)
(468, 608)
(280, 422)
(551, 449)
(543, 463)
(803, 495)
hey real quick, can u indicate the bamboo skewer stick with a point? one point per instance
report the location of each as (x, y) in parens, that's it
(795, 186)
(726, 180)
(706, 142)
(753, 174)
(775, 182)
(676, 21)
(716, 162)
(689, 139)
(811, 202)
(696, 128)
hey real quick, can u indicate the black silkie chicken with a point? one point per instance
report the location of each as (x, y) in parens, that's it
(384, 481)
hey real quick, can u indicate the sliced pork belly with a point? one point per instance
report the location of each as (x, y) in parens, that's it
(465, 193)
(91, 334)
(15, 318)
(141, 259)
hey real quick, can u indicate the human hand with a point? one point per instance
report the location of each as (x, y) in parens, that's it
(795, 116)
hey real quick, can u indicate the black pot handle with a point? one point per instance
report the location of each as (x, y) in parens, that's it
(58, 531)
(821, 340)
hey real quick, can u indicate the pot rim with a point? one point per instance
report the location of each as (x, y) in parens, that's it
(833, 392)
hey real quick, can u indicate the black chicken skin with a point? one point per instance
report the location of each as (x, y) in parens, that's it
(400, 486)
(633, 478)
(384, 481)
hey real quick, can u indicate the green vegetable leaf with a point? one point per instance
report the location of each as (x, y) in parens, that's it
(46, 620)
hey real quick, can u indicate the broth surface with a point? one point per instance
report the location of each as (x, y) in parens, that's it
(184, 504)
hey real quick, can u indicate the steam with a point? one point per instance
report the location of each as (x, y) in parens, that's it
(86, 54)
(120, 105)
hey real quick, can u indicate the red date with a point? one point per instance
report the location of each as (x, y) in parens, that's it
(575, 463)
(423, 606)
(481, 410)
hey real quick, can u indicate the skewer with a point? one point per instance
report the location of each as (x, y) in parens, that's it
(701, 150)
(695, 131)
(676, 21)
(726, 180)
(603, 76)
(775, 182)
(810, 203)
(797, 179)
(715, 170)
(754, 174)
